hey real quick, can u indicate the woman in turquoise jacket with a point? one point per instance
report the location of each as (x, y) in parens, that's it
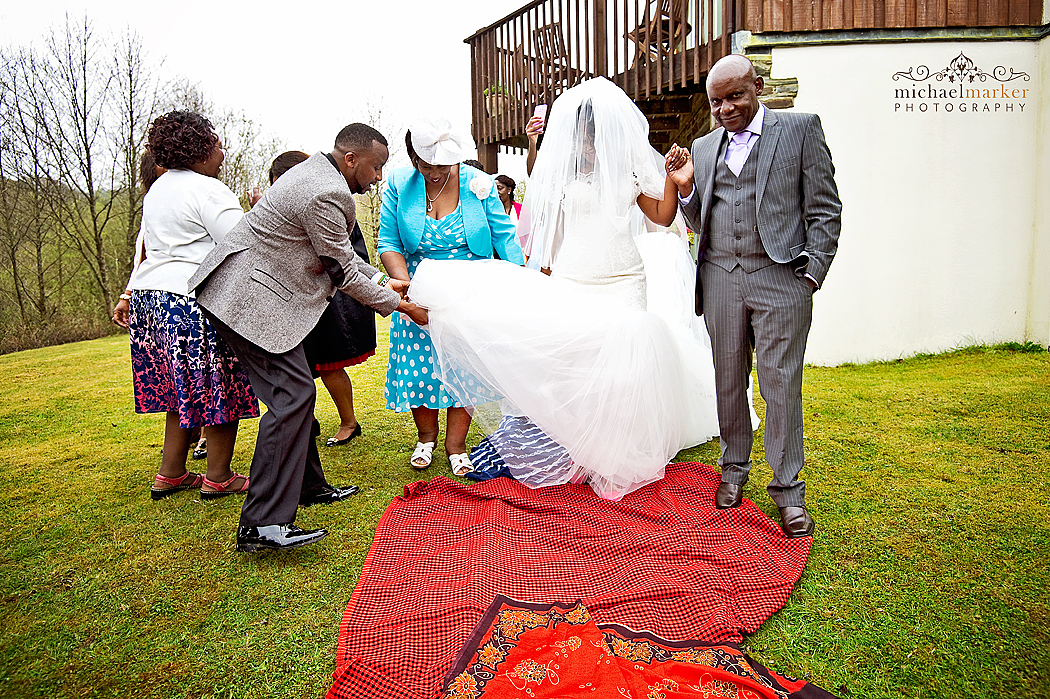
(442, 209)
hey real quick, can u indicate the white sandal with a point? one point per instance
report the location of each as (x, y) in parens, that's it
(460, 463)
(425, 453)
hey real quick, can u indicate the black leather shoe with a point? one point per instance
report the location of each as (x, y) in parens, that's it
(276, 537)
(796, 522)
(327, 496)
(333, 442)
(728, 496)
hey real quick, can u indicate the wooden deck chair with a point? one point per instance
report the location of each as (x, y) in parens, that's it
(658, 37)
(553, 60)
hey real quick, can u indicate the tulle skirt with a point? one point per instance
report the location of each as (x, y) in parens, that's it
(620, 390)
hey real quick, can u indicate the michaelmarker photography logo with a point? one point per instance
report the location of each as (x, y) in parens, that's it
(961, 88)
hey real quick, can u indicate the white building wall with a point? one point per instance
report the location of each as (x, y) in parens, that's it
(943, 242)
(1038, 325)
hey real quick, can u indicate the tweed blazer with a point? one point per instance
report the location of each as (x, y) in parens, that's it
(486, 222)
(797, 202)
(275, 272)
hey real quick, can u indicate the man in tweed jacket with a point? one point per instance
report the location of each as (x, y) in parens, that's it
(265, 287)
(768, 214)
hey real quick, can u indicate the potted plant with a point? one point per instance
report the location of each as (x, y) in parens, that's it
(497, 99)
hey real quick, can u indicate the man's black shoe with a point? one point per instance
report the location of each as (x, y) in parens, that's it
(276, 537)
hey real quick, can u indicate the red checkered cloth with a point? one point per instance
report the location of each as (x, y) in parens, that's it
(662, 559)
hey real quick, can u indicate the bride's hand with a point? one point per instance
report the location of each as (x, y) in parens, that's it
(680, 167)
(677, 158)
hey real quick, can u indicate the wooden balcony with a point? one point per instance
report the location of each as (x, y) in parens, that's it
(660, 51)
(647, 47)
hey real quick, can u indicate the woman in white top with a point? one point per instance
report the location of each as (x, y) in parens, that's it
(149, 171)
(180, 366)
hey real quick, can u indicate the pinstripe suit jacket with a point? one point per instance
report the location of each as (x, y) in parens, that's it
(266, 279)
(797, 202)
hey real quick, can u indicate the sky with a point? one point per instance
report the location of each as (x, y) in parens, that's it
(302, 70)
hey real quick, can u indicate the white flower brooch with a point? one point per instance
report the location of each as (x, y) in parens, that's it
(481, 186)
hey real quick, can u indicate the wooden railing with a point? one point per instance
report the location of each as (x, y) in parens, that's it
(655, 47)
(648, 47)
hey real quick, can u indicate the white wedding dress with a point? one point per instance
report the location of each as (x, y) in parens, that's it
(606, 358)
(605, 373)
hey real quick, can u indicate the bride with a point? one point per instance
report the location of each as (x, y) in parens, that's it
(604, 371)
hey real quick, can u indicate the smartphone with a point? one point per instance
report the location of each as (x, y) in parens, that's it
(541, 112)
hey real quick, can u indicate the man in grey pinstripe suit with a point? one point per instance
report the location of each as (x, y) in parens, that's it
(768, 214)
(264, 287)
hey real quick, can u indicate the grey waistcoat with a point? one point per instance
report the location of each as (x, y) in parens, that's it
(734, 235)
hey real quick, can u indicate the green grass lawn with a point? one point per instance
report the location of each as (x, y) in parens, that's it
(929, 577)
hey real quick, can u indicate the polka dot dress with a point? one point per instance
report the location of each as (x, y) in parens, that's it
(410, 381)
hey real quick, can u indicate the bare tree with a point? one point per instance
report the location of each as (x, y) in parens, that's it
(184, 95)
(11, 225)
(72, 102)
(32, 250)
(378, 116)
(248, 153)
(136, 99)
(74, 116)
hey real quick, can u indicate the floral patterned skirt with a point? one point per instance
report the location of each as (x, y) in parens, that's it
(179, 363)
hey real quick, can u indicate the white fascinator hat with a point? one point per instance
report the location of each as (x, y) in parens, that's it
(437, 143)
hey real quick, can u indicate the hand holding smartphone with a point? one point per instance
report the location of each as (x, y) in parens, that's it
(541, 112)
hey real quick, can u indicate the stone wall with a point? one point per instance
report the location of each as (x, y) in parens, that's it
(778, 93)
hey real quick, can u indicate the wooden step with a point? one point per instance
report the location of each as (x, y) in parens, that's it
(664, 123)
(664, 105)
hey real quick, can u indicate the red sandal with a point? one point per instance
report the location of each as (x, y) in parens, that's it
(186, 481)
(223, 489)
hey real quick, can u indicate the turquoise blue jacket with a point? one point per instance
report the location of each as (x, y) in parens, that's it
(486, 222)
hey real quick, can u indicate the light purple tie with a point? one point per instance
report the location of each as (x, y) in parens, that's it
(736, 151)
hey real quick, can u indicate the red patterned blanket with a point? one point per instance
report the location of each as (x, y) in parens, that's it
(663, 559)
(558, 652)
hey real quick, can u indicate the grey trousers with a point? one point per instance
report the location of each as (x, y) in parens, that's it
(767, 312)
(286, 463)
